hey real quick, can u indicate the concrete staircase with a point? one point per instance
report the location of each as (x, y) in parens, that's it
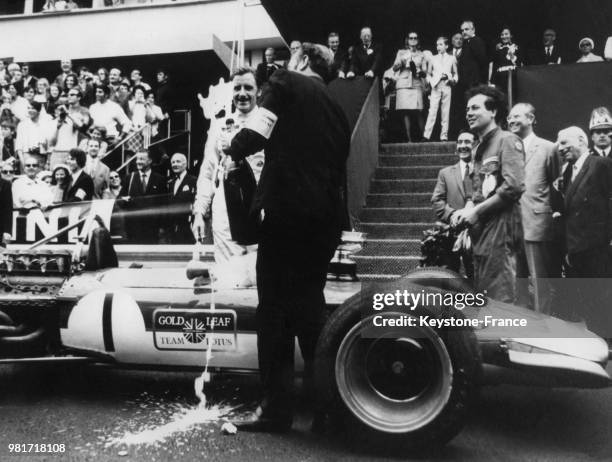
(398, 207)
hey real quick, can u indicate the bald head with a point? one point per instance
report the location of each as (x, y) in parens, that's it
(572, 142)
(178, 162)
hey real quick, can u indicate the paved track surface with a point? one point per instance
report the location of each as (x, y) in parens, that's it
(90, 408)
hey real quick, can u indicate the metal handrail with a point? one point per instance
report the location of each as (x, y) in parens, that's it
(126, 163)
(122, 143)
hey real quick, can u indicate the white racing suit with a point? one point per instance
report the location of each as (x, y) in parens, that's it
(210, 195)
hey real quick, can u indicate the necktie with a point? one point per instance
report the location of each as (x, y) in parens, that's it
(567, 177)
(467, 183)
(548, 53)
(143, 181)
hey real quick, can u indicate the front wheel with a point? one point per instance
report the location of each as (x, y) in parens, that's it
(409, 387)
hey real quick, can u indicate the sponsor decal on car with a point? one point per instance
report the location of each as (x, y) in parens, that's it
(194, 330)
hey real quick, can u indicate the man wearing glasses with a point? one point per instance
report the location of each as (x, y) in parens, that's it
(70, 121)
(27, 191)
(600, 127)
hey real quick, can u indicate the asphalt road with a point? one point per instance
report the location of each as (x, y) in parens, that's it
(91, 409)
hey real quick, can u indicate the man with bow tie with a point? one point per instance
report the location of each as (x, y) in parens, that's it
(182, 189)
(367, 57)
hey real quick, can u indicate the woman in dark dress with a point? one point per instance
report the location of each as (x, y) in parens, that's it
(507, 57)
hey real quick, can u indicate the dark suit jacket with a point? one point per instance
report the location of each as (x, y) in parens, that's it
(186, 190)
(588, 206)
(264, 71)
(305, 154)
(449, 193)
(6, 207)
(362, 62)
(156, 185)
(539, 56)
(340, 63)
(83, 182)
(473, 65)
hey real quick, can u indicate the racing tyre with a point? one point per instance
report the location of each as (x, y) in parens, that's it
(409, 388)
(442, 278)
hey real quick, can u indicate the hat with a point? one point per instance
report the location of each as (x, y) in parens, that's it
(588, 40)
(40, 176)
(600, 118)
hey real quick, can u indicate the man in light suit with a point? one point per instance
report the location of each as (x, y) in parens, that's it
(98, 171)
(587, 185)
(542, 247)
(453, 191)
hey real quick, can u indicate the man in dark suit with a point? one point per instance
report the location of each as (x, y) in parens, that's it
(341, 63)
(366, 58)
(306, 140)
(472, 65)
(81, 187)
(182, 189)
(549, 52)
(267, 68)
(147, 191)
(600, 127)
(587, 185)
(543, 249)
(452, 192)
(6, 212)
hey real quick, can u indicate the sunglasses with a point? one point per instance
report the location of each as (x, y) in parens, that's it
(7, 171)
(30, 165)
(114, 177)
(413, 38)
(73, 94)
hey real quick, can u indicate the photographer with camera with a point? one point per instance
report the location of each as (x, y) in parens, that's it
(72, 119)
(33, 135)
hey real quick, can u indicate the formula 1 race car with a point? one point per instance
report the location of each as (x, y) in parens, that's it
(410, 383)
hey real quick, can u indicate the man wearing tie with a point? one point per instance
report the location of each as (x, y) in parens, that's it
(267, 68)
(587, 185)
(182, 188)
(453, 192)
(144, 188)
(543, 249)
(549, 53)
(98, 171)
(600, 127)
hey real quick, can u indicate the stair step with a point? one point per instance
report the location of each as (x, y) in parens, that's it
(404, 160)
(402, 186)
(418, 148)
(407, 173)
(385, 264)
(391, 247)
(394, 230)
(399, 200)
(398, 215)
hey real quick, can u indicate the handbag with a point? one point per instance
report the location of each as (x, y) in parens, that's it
(239, 184)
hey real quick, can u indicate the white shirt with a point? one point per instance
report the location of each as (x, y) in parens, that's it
(108, 114)
(604, 152)
(528, 140)
(30, 193)
(578, 164)
(33, 134)
(442, 63)
(608, 49)
(178, 182)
